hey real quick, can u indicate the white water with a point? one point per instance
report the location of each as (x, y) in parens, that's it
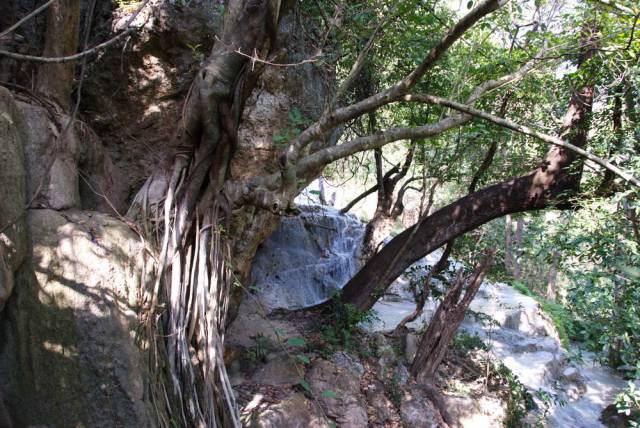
(311, 256)
(524, 339)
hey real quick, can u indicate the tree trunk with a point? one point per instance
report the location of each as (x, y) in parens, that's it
(426, 286)
(387, 210)
(61, 39)
(445, 322)
(551, 183)
(553, 276)
(508, 249)
(517, 267)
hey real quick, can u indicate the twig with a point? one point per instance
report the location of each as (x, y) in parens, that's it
(254, 58)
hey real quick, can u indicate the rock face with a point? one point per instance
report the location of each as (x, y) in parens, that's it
(67, 167)
(68, 356)
(13, 193)
(322, 260)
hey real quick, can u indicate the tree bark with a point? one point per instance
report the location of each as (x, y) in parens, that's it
(61, 39)
(445, 322)
(517, 267)
(553, 276)
(508, 247)
(387, 210)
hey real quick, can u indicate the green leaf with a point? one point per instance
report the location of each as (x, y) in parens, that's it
(296, 341)
(329, 394)
(304, 359)
(305, 385)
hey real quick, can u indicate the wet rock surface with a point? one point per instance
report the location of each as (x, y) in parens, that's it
(323, 258)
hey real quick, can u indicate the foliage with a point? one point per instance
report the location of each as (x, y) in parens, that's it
(628, 403)
(257, 353)
(342, 321)
(519, 400)
(464, 342)
(601, 261)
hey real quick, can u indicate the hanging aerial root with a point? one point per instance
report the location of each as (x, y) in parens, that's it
(185, 314)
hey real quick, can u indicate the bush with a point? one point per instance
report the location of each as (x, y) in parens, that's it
(343, 319)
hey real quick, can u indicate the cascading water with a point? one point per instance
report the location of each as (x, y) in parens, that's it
(310, 256)
(307, 258)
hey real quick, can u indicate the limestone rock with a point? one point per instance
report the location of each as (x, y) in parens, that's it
(417, 411)
(50, 159)
(280, 371)
(612, 419)
(471, 413)
(13, 193)
(345, 403)
(251, 322)
(412, 340)
(295, 411)
(383, 408)
(67, 352)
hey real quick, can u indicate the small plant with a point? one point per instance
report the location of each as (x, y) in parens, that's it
(258, 352)
(548, 400)
(127, 6)
(519, 400)
(196, 51)
(297, 122)
(628, 403)
(393, 391)
(465, 342)
(343, 320)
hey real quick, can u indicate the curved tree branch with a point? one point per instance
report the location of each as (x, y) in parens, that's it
(506, 123)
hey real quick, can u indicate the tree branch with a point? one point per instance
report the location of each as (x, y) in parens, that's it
(506, 123)
(26, 18)
(79, 55)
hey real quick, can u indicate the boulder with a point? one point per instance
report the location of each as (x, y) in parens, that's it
(69, 168)
(295, 411)
(13, 193)
(412, 340)
(51, 151)
(280, 371)
(611, 418)
(336, 385)
(416, 410)
(475, 412)
(68, 355)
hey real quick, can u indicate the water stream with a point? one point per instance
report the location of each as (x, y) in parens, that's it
(312, 255)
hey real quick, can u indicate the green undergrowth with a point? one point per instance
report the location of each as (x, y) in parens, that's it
(562, 320)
